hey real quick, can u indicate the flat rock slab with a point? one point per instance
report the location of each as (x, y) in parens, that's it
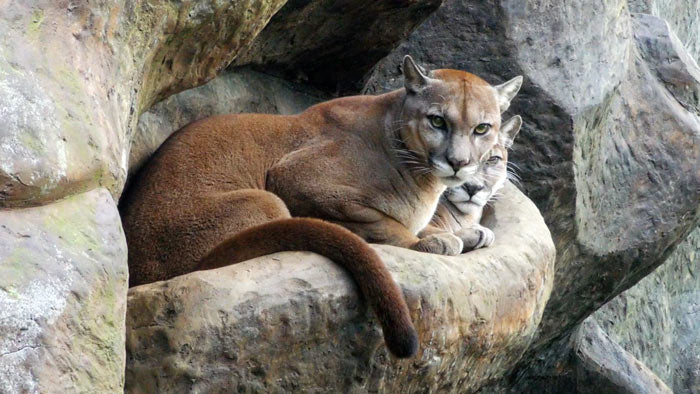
(293, 321)
(63, 283)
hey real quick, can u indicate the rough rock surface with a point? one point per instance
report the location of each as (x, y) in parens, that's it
(605, 367)
(294, 322)
(683, 16)
(238, 91)
(63, 282)
(610, 148)
(75, 76)
(332, 44)
(657, 320)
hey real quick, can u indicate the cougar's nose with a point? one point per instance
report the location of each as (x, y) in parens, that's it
(473, 188)
(457, 164)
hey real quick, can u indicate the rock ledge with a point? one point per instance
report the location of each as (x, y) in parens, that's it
(293, 321)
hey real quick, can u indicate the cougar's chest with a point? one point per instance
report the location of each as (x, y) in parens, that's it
(424, 214)
(415, 213)
(405, 202)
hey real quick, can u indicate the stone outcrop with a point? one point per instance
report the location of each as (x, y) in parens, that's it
(293, 321)
(603, 366)
(657, 319)
(63, 282)
(610, 147)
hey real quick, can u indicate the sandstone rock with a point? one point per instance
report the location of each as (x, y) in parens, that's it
(63, 282)
(332, 44)
(610, 148)
(656, 320)
(293, 321)
(75, 76)
(232, 92)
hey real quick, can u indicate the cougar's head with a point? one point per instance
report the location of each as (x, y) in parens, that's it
(491, 174)
(450, 120)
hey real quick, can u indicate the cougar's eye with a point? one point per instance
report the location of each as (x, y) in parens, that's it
(494, 159)
(437, 121)
(482, 128)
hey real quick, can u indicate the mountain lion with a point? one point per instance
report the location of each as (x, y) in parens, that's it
(342, 173)
(460, 208)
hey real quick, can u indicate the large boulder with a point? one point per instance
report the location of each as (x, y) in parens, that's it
(63, 282)
(610, 148)
(74, 76)
(294, 322)
(656, 320)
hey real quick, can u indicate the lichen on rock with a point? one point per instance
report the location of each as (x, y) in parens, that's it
(63, 281)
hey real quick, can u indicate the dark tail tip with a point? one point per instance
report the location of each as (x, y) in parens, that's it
(402, 343)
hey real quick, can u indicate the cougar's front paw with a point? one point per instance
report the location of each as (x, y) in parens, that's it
(441, 243)
(475, 237)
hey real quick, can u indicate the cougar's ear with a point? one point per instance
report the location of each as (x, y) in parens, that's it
(414, 79)
(507, 90)
(509, 130)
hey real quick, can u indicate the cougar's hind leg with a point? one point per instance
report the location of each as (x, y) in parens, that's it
(197, 228)
(225, 214)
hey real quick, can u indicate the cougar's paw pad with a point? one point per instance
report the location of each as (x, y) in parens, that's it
(442, 243)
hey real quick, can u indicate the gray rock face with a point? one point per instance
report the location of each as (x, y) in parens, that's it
(75, 76)
(233, 92)
(610, 148)
(293, 321)
(605, 367)
(63, 282)
(656, 320)
(683, 16)
(332, 44)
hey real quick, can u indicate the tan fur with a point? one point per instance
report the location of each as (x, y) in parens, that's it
(460, 209)
(223, 189)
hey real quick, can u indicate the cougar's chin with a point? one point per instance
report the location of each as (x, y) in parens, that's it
(480, 199)
(456, 194)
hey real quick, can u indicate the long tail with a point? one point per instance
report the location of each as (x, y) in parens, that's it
(343, 247)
